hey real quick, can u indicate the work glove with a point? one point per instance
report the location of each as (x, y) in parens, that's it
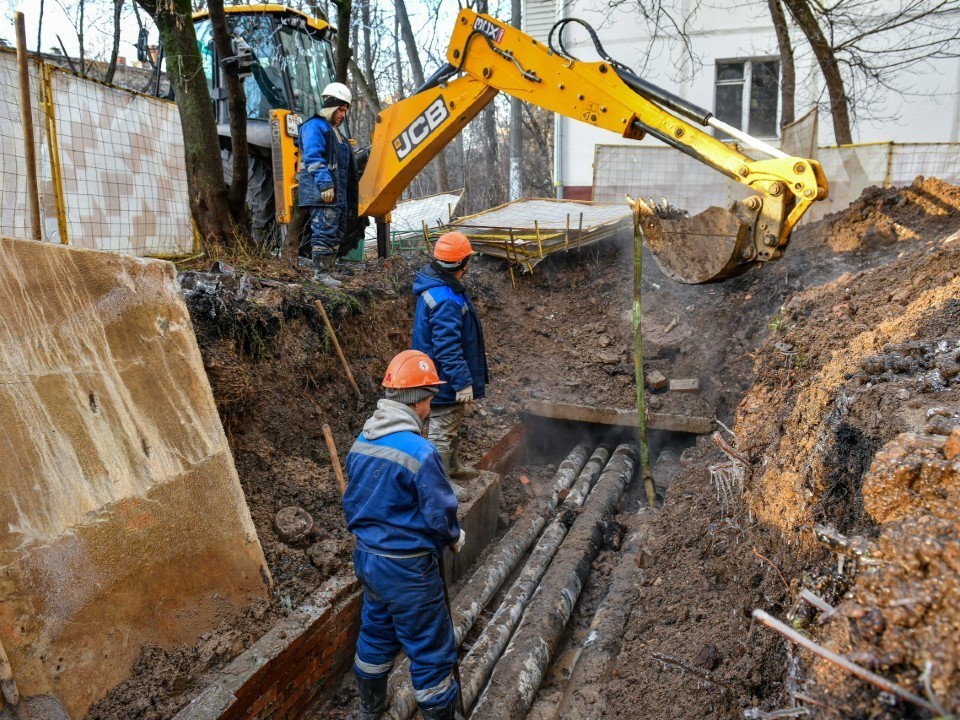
(465, 395)
(327, 195)
(461, 541)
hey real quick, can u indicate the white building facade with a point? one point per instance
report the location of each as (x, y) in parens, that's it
(735, 75)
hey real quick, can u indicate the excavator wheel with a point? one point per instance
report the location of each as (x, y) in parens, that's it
(710, 247)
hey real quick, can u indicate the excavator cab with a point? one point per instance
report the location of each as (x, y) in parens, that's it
(292, 59)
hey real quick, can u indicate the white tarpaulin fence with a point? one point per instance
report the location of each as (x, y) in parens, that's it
(665, 173)
(117, 178)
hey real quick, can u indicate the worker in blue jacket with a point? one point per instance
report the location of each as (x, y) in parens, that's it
(328, 180)
(446, 327)
(403, 512)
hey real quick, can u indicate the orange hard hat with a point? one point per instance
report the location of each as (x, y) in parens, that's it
(411, 369)
(452, 247)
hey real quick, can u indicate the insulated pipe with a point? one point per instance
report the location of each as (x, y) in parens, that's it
(478, 591)
(487, 649)
(519, 672)
(593, 660)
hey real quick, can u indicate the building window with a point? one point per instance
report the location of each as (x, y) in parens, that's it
(747, 95)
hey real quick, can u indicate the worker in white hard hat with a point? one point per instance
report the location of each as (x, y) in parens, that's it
(328, 180)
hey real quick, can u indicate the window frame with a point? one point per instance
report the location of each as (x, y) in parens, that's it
(747, 83)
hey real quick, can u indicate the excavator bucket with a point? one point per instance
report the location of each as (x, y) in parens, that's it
(710, 247)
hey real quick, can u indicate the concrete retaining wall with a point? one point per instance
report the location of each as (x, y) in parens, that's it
(122, 520)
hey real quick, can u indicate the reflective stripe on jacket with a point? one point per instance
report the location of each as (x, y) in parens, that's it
(447, 328)
(398, 502)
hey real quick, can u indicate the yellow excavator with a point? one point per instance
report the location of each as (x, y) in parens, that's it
(486, 57)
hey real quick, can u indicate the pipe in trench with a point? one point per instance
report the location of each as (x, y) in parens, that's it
(518, 674)
(484, 583)
(476, 667)
(592, 664)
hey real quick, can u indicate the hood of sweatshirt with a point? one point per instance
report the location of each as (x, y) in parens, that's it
(391, 417)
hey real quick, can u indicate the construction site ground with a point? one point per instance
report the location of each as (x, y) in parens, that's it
(815, 363)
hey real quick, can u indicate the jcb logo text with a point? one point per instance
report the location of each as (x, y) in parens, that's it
(420, 129)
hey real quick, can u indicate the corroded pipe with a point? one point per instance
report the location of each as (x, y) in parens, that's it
(478, 664)
(478, 591)
(518, 674)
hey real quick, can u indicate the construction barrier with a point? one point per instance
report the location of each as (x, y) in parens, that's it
(111, 168)
(662, 172)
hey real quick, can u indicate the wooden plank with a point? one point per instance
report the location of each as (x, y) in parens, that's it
(615, 416)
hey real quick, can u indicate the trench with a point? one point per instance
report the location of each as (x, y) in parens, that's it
(516, 595)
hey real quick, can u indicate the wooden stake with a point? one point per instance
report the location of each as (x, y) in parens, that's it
(26, 116)
(336, 346)
(334, 459)
(638, 359)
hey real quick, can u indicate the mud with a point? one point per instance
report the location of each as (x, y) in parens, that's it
(809, 361)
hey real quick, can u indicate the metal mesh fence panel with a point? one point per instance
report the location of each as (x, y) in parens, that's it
(665, 173)
(14, 211)
(660, 173)
(940, 160)
(123, 172)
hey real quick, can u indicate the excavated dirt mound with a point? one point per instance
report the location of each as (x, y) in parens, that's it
(564, 335)
(885, 216)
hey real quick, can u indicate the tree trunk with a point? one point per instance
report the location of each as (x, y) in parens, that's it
(208, 193)
(416, 67)
(488, 131)
(81, 11)
(788, 81)
(516, 123)
(40, 27)
(344, 51)
(397, 58)
(804, 17)
(115, 50)
(237, 108)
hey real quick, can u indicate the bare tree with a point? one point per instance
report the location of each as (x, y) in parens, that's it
(40, 24)
(343, 50)
(115, 49)
(829, 66)
(788, 75)
(215, 222)
(862, 48)
(237, 110)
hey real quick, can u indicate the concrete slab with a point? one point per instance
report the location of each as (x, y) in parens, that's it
(122, 520)
(627, 418)
(478, 516)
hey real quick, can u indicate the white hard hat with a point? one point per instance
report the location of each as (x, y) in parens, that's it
(338, 91)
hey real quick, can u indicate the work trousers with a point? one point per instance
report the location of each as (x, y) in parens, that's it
(445, 424)
(328, 225)
(404, 607)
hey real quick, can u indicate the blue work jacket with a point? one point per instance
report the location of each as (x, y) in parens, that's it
(447, 328)
(398, 502)
(325, 163)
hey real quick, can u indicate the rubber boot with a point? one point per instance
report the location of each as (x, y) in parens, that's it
(458, 469)
(450, 711)
(457, 489)
(373, 697)
(322, 269)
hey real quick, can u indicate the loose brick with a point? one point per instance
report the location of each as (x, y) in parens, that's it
(685, 385)
(656, 380)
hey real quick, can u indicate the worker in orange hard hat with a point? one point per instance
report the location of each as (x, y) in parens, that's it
(403, 512)
(447, 328)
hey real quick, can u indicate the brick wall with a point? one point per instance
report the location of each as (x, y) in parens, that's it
(299, 662)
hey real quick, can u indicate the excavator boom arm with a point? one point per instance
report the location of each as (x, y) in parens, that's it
(487, 57)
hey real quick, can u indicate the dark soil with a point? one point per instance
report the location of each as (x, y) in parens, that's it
(809, 414)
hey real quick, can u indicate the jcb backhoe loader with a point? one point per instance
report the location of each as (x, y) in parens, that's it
(486, 57)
